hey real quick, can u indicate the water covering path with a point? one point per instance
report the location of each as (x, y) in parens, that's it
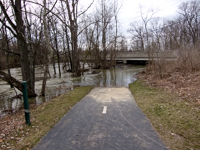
(105, 119)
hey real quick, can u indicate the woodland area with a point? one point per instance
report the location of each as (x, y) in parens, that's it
(180, 35)
(35, 32)
(60, 32)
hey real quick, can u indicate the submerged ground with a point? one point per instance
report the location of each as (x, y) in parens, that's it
(169, 103)
(121, 75)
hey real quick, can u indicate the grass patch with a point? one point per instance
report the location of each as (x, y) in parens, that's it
(177, 122)
(45, 116)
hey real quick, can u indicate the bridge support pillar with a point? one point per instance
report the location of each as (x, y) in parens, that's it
(125, 61)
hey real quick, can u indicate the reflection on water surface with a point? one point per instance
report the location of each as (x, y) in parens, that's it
(113, 77)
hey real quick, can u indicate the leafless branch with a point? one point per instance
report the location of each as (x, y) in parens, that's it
(7, 17)
(5, 50)
(86, 9)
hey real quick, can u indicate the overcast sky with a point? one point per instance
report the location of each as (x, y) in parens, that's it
(130, 10)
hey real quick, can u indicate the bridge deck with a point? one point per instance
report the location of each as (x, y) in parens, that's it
(144, 56)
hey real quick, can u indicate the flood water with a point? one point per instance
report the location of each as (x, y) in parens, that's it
(118, 76)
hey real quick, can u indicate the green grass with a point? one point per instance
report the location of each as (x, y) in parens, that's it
(177, 122)
(45, 116)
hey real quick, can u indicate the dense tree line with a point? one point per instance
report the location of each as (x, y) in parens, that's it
(155, 34)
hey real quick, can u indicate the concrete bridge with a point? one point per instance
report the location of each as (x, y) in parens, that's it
(144, 56)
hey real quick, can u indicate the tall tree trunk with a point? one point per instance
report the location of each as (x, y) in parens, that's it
(49, 51)
(8, 48)
(46, 68)
(68, 49)
(65, 54)
(22, 46)
(54, 65)
(57, 51)
(74, 36)
(116, 30)
(18, 30)
(7, 59)
(104, 34)
(58, 57)
(97, 52)
(30, 48)
(67, 38)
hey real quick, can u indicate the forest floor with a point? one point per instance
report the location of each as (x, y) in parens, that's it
(186, 85)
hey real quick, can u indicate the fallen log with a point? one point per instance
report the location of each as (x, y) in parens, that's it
(16, 83)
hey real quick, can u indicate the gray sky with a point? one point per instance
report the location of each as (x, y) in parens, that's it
(130, 10)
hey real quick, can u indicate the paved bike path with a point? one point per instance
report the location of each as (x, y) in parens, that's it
(105, 119)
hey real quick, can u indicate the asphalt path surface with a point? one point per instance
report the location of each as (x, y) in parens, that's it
(105, 119)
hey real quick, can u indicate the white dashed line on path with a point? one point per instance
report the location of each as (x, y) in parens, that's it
(104, 110)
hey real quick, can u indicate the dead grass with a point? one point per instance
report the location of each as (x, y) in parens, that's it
(43, 118)
(176, 121)
(186, 86)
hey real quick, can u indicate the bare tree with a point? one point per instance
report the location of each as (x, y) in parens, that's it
(190, 14)
(49, 50)
(17, 28)
(137, 33)
(73, 26)
(106, 16)
(55, 34)
(116, 10)
(140, 30)
(146, 18)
